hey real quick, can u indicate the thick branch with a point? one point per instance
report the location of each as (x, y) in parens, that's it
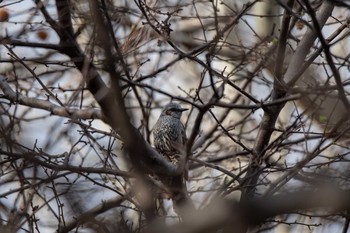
(235, 217)
(271, 113)
(298, 58)
(64, 15)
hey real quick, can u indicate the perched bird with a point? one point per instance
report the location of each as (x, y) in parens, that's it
(170, 140)
(169, 133)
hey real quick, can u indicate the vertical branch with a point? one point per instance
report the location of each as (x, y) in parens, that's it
(64, 15)
(270, 113)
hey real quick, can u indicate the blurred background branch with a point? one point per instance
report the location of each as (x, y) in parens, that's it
(82, 83)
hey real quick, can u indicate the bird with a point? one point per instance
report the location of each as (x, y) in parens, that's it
(170, 140)
(169, 133)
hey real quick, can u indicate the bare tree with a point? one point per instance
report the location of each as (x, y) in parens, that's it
(83, 83)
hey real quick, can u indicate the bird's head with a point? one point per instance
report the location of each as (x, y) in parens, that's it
(173, 109)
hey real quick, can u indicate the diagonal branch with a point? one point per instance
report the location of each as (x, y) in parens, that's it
(64, 15)
(142, 154)
(92, 213)
(329, 58)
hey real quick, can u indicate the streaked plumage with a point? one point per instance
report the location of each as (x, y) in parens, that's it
(169, 133)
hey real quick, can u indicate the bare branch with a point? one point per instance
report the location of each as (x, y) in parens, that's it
(72, 113)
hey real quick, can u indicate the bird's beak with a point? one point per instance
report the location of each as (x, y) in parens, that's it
(183, 109)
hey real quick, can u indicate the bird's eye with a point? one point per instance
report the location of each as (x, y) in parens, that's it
(168, 112)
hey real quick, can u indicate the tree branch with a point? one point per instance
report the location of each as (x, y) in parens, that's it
(236, 217)
(91, 214)
(72, 113)
(271, 113)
